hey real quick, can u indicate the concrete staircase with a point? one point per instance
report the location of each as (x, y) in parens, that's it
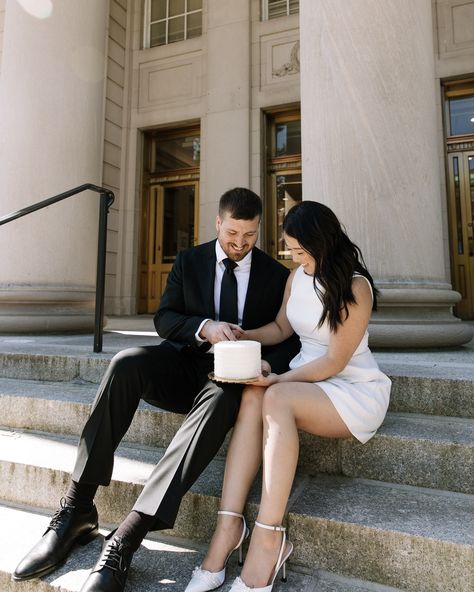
(394, 514)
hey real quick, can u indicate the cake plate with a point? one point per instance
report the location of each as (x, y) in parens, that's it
(212, 376)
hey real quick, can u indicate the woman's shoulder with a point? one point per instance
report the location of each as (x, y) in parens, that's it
(291, 277)
(362, 287)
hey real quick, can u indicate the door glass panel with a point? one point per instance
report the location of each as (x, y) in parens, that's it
(176, 153)
(461, 115)
(288, 138)
(288, 193)
(457, 202)
(470, 213)
(178, 220)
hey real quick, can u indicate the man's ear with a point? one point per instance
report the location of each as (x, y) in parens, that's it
(218, 223)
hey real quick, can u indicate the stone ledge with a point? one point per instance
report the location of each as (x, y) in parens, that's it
(163, 563)
(392, 534)
(413, 449)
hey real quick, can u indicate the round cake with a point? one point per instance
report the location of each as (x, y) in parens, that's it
(237, 360)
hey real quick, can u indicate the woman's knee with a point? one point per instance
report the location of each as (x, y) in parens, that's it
(276, 398)
(252, 400)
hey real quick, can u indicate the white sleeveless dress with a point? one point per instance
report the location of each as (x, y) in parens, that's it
(361, 392)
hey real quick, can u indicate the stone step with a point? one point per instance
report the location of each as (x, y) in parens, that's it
(162, 563)
(425, 389)
(420, 450)
(412, 538)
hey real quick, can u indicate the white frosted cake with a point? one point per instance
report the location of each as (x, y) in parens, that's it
(237, 360)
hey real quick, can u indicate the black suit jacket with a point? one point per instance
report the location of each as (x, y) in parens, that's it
(189, 299)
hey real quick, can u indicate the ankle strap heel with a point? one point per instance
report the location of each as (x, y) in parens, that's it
(286, 548)
(203, 580)
(243, 536)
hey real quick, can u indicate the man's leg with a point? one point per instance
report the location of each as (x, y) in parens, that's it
(156, 372)
(160, 374)
(193, 447)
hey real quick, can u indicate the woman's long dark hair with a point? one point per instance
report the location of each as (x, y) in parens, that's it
(319, 232)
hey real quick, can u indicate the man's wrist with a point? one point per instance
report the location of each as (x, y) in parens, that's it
(200, 338)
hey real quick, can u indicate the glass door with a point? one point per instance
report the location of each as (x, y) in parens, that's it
(283, 169)
(171, 223)
(461, 210)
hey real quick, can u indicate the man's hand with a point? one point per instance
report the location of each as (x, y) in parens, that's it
(214, 331)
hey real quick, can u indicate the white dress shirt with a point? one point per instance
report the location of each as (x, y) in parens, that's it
(242, 275)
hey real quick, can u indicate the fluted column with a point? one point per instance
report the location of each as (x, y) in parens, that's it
(370, 152)
(51, 131)
(225, 160)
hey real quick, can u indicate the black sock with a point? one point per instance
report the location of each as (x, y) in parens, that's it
(81, 495)
(135, 528)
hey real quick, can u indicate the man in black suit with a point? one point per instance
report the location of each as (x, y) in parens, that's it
(212, 290)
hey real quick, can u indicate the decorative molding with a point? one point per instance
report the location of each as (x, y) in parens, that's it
(460, 146)
(455, 27)
(291, 67)
(279, 57)
(163, 82)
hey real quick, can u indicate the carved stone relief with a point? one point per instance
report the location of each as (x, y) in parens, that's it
(292, 66)
(280, 57)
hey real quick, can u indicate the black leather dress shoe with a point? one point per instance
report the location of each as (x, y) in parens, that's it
(67, 528)
(111, 571)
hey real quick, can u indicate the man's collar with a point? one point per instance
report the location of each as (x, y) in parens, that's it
(221, 255)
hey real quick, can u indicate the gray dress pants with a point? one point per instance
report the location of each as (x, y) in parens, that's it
(172, 380)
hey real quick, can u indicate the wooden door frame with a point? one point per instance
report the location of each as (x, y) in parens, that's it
(153, 271)
(465, 285)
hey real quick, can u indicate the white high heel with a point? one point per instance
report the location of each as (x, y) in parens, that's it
(240, 586)
(203, 580)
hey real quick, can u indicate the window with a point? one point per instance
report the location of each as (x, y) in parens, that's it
(284, 185)
(461, 115)
(275, 8)
(459, 109)
(167, 21)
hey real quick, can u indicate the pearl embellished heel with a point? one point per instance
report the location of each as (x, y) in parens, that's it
(203, 580)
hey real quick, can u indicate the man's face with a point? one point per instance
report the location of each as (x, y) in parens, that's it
(236, 237)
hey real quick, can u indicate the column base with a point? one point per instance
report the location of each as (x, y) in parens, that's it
(46, 309)
(417, 318)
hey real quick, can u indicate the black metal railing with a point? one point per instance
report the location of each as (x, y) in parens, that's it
(106, 200)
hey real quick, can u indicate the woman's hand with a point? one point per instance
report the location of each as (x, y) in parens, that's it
(265, 380)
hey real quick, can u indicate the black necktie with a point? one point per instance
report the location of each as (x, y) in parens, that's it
(228, 303)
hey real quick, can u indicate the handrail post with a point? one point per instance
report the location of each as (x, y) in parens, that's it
(107, 198)
(105, 201)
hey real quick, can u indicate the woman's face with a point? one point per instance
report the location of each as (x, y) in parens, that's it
(307, 261)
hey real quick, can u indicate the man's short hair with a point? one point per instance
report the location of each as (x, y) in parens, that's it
(241, 204)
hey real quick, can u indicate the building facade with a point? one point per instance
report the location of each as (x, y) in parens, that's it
(367, 107)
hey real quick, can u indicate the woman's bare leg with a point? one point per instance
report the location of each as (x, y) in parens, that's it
(243, 461)
(287, 407)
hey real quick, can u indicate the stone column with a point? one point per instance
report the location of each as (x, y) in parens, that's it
(51, 131)
(370, 152)
(225, 161)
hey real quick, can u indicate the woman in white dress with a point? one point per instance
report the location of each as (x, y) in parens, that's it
(333, 388)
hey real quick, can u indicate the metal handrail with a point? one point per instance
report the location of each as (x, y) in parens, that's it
(107, 198)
